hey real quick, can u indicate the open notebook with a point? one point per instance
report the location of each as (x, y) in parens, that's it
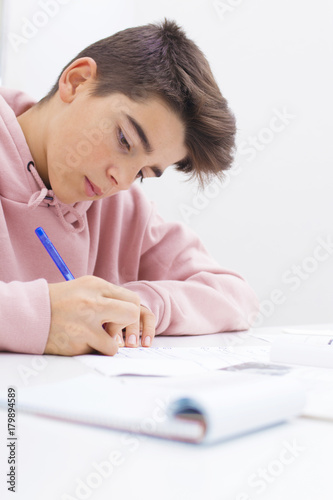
(201, 408)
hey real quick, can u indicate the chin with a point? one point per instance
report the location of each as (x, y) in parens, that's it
(66, 200)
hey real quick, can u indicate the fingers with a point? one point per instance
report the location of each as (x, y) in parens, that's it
(148, 324)
(79, 309)
(118, 312)
(104, 343)
(114, 291)
(115, 331)
(120, 338)
(85, 342)
(132, 335)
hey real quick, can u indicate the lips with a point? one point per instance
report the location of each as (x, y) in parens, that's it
(91, 189)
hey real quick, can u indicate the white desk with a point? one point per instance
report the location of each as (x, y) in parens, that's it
(290, 462)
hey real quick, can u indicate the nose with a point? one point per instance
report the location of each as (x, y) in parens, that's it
(124, 181)
(120, 179)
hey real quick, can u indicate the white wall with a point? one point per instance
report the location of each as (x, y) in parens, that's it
(272, 58)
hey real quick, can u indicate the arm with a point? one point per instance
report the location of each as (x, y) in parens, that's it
(25, 316)
(66, 318)
(186, 290)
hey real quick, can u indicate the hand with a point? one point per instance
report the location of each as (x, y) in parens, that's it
(81, 307)
(146, 325)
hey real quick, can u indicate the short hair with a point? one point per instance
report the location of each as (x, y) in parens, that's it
(158, 60)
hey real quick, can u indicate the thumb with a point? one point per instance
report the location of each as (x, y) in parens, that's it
(104, 343)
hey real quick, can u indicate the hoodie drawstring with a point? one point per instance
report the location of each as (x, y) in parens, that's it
(44, 194)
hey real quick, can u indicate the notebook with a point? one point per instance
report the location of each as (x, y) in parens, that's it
(204, 408)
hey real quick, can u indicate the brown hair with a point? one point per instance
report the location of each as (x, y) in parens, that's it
(159, 60)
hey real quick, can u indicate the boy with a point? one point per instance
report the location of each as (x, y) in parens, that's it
(126, 107)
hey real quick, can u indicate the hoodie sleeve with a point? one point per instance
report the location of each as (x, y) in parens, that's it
(25, 316)
(186, 290)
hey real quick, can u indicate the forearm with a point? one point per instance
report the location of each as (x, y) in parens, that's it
(204, 303)
(25, 316)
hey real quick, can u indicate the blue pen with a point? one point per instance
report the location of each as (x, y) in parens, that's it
(54, 254)
(49, 247)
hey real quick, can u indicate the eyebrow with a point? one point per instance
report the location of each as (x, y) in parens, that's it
(145, 142)
(139, 130)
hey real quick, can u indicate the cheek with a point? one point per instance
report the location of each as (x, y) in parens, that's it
(80, 155)
(82, 150)
(93, 147)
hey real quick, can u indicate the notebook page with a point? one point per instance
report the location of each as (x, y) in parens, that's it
(172, 361)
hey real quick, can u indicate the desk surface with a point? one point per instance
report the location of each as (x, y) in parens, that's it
(66, 461)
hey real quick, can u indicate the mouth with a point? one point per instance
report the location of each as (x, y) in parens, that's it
(91, 189)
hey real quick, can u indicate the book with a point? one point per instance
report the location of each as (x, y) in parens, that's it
(197, 409)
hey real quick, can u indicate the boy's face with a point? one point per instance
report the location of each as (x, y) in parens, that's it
(97, 146)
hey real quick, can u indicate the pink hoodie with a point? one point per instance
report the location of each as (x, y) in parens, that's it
(120, 239)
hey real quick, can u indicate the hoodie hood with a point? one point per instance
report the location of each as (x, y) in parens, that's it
(22, 183)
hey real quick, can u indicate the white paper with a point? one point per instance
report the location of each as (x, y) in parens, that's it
(172, 361)
(305, 350)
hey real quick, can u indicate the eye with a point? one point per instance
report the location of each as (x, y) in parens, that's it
(122, 140)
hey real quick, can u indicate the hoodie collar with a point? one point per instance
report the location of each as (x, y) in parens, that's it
(72, 217)
(22, 183)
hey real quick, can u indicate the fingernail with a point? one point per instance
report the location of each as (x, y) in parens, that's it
(132, 339)
(120, 340)
(147, 341)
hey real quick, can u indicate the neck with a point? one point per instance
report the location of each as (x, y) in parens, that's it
(34, 126)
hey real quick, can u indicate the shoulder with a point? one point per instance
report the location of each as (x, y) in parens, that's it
(16, 100)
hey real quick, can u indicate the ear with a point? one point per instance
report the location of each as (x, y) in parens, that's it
(77, 77)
